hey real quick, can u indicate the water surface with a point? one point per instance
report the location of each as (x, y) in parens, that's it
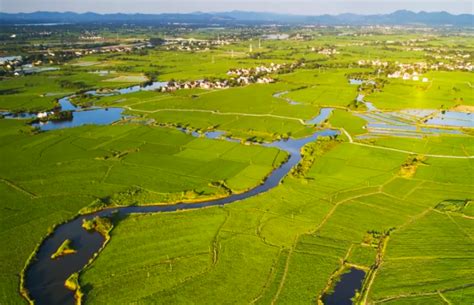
(346, 288)
(45, 277)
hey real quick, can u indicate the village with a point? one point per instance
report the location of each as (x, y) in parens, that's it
(413, 71)
(240, 77)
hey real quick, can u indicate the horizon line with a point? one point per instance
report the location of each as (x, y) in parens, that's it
(231, 11)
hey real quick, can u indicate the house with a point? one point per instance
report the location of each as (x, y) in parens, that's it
(42, 115)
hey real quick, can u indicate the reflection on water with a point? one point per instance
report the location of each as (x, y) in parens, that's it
(453, 119)
(45, 277)
(101, 116)
(346, 288)
(83, 116)
(323, 115)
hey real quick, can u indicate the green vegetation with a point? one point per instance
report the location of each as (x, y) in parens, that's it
(326, 87)
(64, 249)
(444, 90)
(344, 119)
(72, 283)
(398, 207)
(40, 92)
(284, 245)
(77, 167)
(408, 169)
(102, 225)
(310, 153)
(442, 145)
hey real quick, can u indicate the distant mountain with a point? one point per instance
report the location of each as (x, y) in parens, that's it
(401, 17)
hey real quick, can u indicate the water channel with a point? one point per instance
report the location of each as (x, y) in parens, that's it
(45, 277)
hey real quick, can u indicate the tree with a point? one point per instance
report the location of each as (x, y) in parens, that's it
(157, 41)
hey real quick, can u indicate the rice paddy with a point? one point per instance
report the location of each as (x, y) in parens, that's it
(389, 193)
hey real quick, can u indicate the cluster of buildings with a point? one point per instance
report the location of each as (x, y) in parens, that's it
(114, 49)
(100, 50)
(411, 71)
(11, 60)
(455, 66)
(15, 65)
(273, 68)
(44, 115)
(241, 77)
(325, 51)
(191, 44)
(91, 36)
(372, 63)
(217, 84)
(408, 76)
(202, 84)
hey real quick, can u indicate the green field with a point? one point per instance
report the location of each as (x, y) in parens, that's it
(444, 90)
(396, 206)
(284, 245)
(50, 176)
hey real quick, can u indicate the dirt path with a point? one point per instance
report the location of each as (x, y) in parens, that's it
(301, 121)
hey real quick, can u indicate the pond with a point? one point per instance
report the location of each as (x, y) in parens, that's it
(452, 119)
(101, 116)
(84, 116)
(346, 288)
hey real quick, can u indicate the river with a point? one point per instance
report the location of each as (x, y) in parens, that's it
(45, 277)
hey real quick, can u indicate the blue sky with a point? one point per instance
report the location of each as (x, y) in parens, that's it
(309, 7)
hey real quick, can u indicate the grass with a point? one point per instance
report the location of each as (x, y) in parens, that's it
(72, 283)
(284, 245)
(438, 145)
(245, 112)
(100, 224)
(327, 87)
(40, 92)
(77, 167)
(419, 264)
(345, 119)
(64, 249)
(445, 90)
(280, 247)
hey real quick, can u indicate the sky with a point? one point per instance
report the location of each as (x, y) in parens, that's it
(306, 7)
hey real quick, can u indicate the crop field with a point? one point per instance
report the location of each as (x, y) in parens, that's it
(389, 191)
(39, 92)
(326, 88)
(443, 145)
(50, 176)
(292, 265)
(443, 90)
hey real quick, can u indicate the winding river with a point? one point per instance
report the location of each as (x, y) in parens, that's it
(45, 277)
